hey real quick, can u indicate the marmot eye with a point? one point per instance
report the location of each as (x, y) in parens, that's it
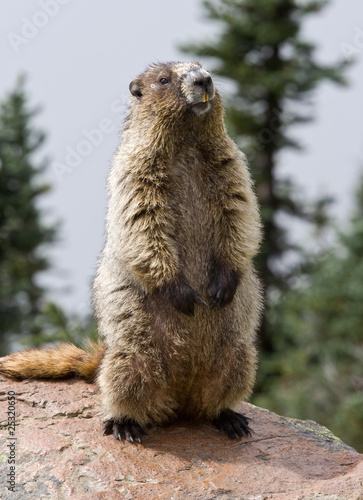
(163, 81)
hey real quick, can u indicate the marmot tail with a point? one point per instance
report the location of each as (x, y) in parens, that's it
(65, 360)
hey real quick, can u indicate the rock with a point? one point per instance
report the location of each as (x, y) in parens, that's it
(60, 452)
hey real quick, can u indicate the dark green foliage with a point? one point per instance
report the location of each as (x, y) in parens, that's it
(260, 48)
(317, 371)
(22, 231)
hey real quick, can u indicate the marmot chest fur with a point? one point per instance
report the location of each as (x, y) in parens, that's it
(176, 296)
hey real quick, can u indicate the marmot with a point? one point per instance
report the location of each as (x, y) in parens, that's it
(176, 295)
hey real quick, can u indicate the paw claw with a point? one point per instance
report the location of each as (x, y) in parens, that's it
(182, 296)
(234, 424)
(128, 427)
(108, 428)
(223, 286)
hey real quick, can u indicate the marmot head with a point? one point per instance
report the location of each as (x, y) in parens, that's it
(175, 87)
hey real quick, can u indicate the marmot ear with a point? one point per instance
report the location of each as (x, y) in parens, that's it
(136, 88)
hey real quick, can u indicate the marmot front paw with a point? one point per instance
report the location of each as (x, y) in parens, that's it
(222, 286)
(182, 296)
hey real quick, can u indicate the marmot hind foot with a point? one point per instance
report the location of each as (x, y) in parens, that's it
(234, 424)
(128, 428)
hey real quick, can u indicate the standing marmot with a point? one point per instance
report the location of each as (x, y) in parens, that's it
(176, 295)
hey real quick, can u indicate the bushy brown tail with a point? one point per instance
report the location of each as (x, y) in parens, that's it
(63, 361)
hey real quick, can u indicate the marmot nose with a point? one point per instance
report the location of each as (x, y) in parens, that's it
(203, 81)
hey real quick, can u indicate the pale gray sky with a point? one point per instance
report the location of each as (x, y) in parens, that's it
(80, 57)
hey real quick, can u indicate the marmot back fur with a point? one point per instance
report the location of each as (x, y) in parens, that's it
(176, 295)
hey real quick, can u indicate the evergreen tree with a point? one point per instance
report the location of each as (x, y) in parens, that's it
(317, 371)
(26, 315)
(261, 50)
(23, 233)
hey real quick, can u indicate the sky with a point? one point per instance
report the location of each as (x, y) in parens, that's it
(79, 57)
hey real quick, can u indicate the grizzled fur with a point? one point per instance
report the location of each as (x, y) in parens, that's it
(176, 296)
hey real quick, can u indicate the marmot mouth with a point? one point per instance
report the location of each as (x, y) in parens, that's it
(201, 107)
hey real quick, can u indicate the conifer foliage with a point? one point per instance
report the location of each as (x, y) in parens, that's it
(23, 233)
(317, 372)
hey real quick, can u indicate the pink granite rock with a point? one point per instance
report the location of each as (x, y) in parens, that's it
(60, 452)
